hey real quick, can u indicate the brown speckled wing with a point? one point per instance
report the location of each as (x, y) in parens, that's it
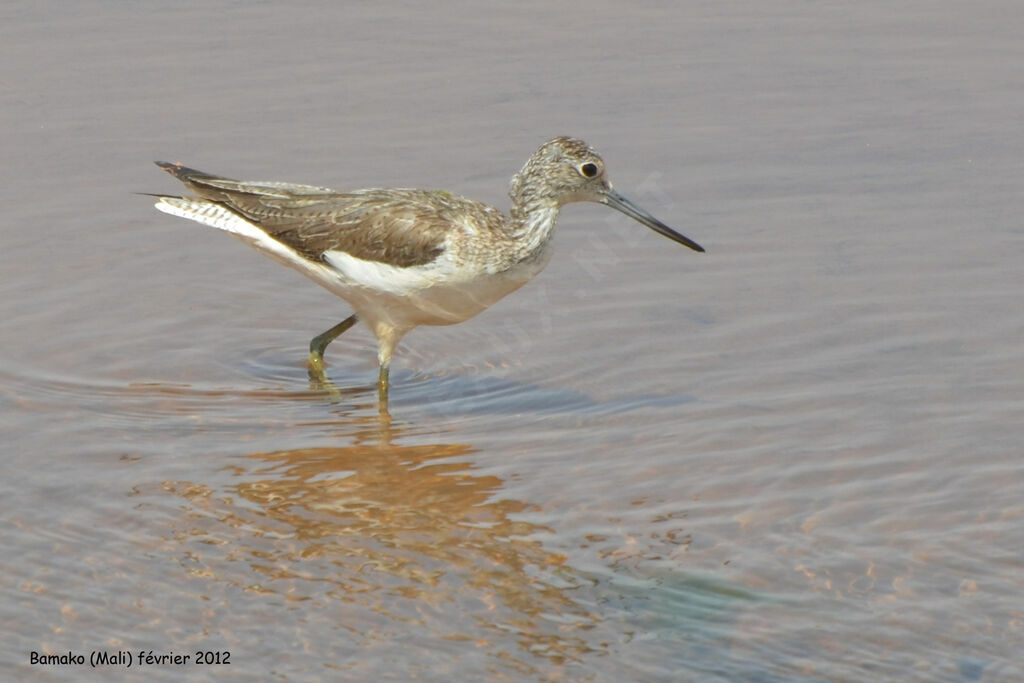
(399, 227)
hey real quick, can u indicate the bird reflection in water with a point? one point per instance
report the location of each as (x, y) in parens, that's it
(377, 535)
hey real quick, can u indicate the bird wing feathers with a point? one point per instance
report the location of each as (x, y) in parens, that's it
(399, 227)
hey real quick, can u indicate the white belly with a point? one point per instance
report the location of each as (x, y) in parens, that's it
(439, 293)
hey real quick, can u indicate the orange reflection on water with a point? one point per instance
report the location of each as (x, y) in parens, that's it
(374, 534)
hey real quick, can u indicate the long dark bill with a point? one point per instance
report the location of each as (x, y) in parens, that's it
(620, 203)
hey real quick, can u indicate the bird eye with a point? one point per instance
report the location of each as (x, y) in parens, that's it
(589, 169)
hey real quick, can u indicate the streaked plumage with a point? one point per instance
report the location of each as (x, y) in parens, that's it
(403, 257)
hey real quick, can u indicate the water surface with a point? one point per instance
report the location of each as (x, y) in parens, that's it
(795, 457)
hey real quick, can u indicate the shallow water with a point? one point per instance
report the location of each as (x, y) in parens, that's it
(795, 457)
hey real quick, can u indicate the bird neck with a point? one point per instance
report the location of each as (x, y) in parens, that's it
(531, 230)
(529, 196)
(534, 213)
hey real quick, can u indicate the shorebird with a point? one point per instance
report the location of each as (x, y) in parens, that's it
(401, 257)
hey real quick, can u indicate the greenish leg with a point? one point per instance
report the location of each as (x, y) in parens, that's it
(382, 387)
(319, 343)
